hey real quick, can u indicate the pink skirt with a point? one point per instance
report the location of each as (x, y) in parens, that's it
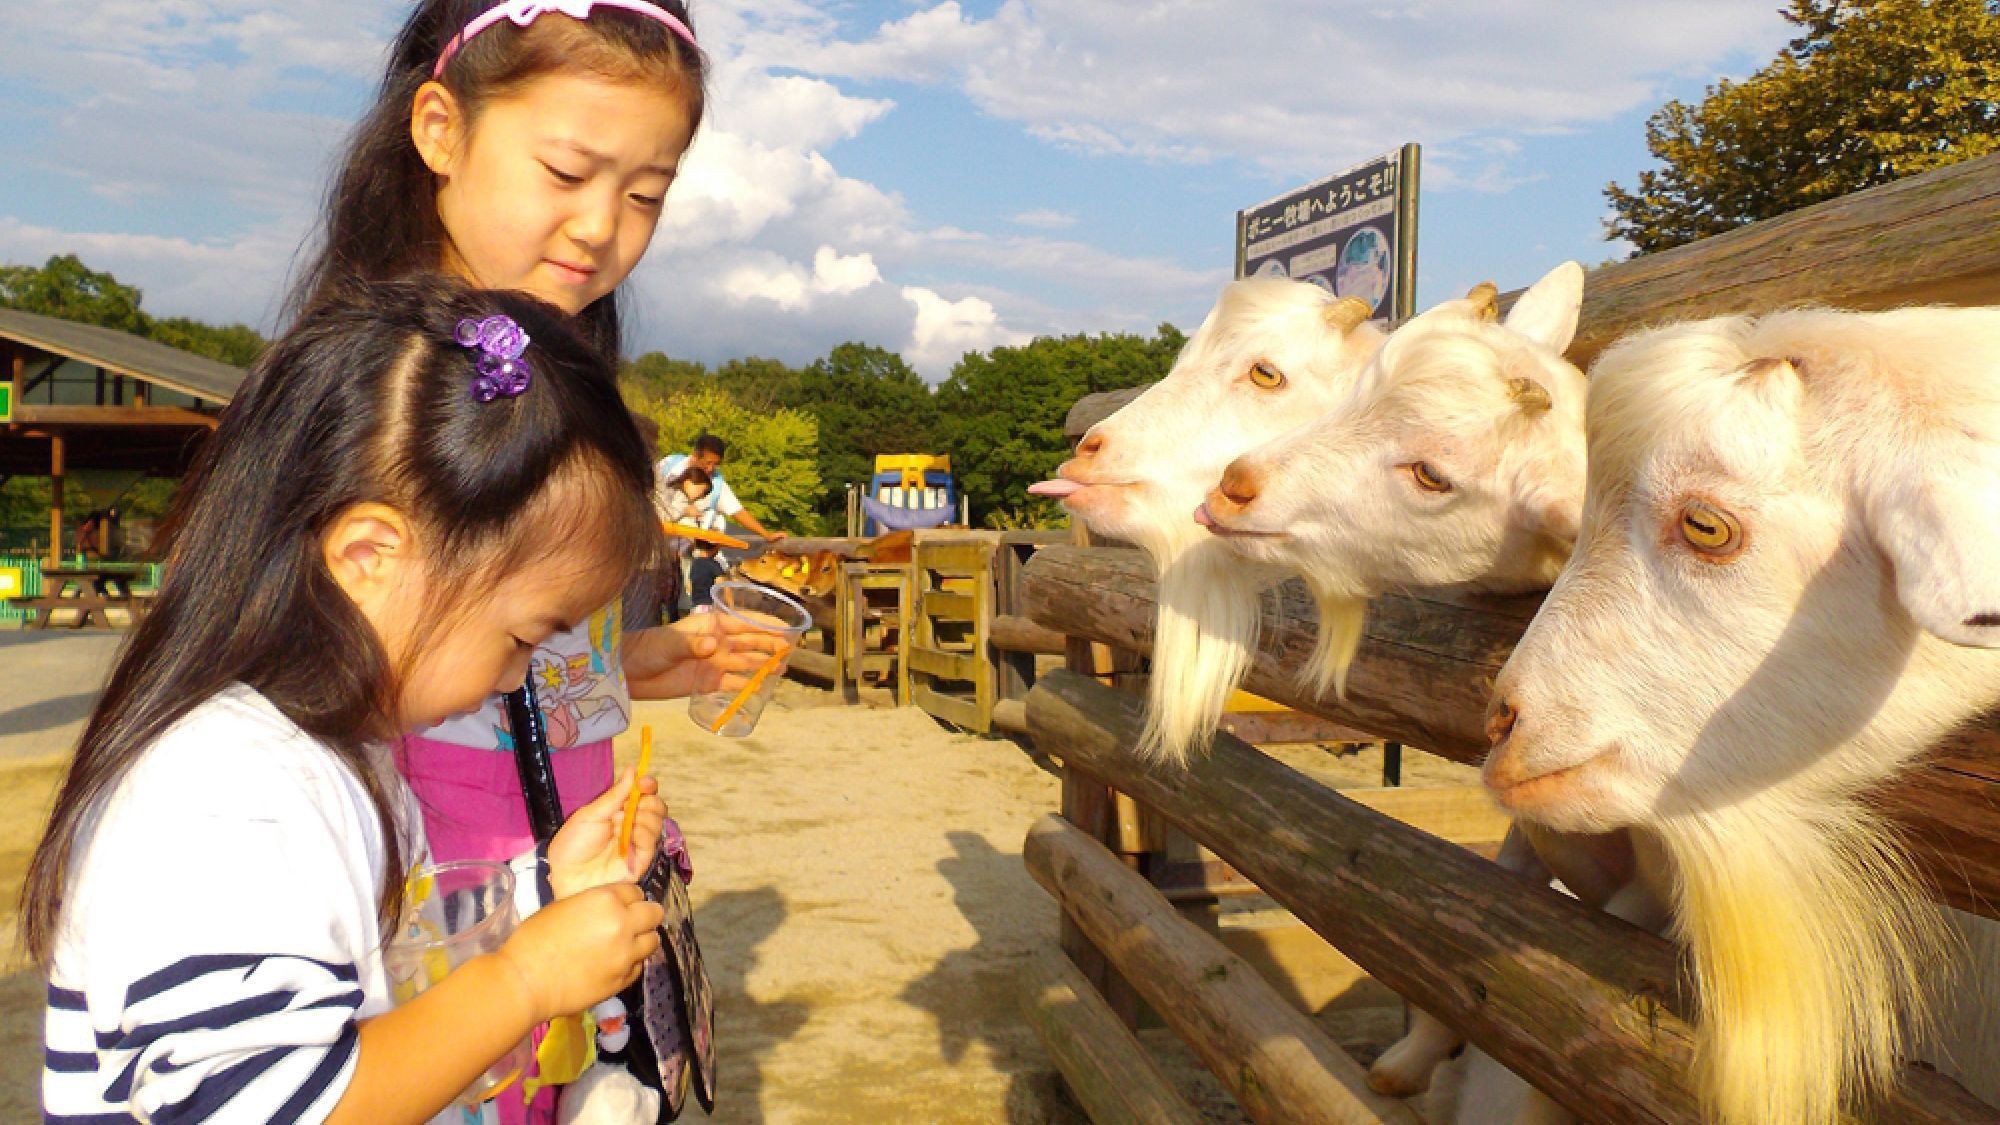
(473, 809)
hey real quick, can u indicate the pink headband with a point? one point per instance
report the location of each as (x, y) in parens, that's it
(525, 12)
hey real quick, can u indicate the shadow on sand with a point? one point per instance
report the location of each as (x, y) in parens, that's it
(969, 986)
(746, 1030)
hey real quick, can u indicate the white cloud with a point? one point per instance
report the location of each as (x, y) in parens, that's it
(1045, 219)
(221, 117)
(1282, 83)
(791, 286)
(946, 330)
(238, 280)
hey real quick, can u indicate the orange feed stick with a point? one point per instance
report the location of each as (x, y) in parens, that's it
(757, 679)
(632, 798)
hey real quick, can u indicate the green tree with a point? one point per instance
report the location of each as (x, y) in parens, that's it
(772, 462)
(64, 287)
(235, 344)
(662, 376)
(1000, 415)
(1870, 91)
(867, 401)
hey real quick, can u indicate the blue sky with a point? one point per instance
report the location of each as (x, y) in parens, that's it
(930, 177)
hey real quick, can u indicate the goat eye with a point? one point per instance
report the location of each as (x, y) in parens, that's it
(1266, 376)
(1710, 530)
(1427, 478)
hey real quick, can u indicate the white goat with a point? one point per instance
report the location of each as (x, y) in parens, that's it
(1784, 589)
(1456, 461)
(1270, 355)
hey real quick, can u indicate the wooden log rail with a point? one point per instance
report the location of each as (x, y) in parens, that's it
(1279, 1065)
(1426, 668)
(1106, 1068)
(1586, 1007)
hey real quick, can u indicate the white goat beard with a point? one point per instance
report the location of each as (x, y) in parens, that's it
(1811, 940)
(1204, 636)
(1340, 620)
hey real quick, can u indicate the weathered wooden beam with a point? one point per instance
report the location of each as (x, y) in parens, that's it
(1591, 1010)
(803, 545)
(114, 416)
(1101, 1060)
(1010, 716)
(1426, 668)
(821, 666)
(1015, 633)
(1929, 239)
(1279, 1065)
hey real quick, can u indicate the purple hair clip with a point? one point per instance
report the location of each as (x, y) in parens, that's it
(501, 343)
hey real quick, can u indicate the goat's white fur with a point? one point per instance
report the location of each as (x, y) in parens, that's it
(1491, 407)
(1146, 467)
(1737, 713)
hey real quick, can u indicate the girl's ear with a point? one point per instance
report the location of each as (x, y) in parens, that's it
(369, 551)
(437, 123)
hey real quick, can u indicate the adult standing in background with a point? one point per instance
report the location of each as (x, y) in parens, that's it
(715, 511)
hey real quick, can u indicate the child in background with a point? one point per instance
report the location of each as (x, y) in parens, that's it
(527, 148)
(412, 489)
(679, 498)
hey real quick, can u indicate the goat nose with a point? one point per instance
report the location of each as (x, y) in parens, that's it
(1500, 723)
(1239, 484)
(1091, 445)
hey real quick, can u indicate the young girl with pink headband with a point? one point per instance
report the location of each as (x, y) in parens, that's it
(528, 145)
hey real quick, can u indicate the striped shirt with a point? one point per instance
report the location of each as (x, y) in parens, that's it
(218, 940)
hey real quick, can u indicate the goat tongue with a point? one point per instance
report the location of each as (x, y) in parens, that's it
(1055, 488)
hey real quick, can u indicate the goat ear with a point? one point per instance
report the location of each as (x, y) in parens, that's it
(1935, 512)
(1546, 313)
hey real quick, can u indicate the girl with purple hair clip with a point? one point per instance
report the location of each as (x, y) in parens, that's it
(530, 145)
(413, 488)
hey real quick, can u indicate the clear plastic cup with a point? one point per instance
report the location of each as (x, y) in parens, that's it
(455, 912)
(733, 714)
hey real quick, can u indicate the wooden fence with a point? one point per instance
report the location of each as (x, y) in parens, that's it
(1591, 1010)
(942, 630)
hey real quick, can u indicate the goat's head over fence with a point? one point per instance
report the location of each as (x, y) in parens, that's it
(1457, 459)
(1270, 354)
(1784, 588)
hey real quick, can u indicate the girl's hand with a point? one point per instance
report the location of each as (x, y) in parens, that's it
(584, 852)
(574, 953)
(705, 652)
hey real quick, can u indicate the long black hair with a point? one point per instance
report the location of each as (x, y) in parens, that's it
(367, 399)
(381, 213)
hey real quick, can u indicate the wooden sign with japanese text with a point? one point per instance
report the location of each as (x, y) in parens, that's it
(1353, 234)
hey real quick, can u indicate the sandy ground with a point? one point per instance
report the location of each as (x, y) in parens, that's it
(859, 895)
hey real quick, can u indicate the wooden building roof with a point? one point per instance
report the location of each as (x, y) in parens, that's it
(125, 402)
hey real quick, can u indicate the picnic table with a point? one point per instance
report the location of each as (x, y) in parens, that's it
(79, 593)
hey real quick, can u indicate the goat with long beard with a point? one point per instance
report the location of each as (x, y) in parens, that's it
(1270, 355)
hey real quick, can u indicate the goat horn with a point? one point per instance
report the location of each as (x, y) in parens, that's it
(1767, 366)
(1485, 298)
(1347, 314)
(1528, 395)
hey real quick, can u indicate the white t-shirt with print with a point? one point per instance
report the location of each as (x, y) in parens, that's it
(219, 939)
